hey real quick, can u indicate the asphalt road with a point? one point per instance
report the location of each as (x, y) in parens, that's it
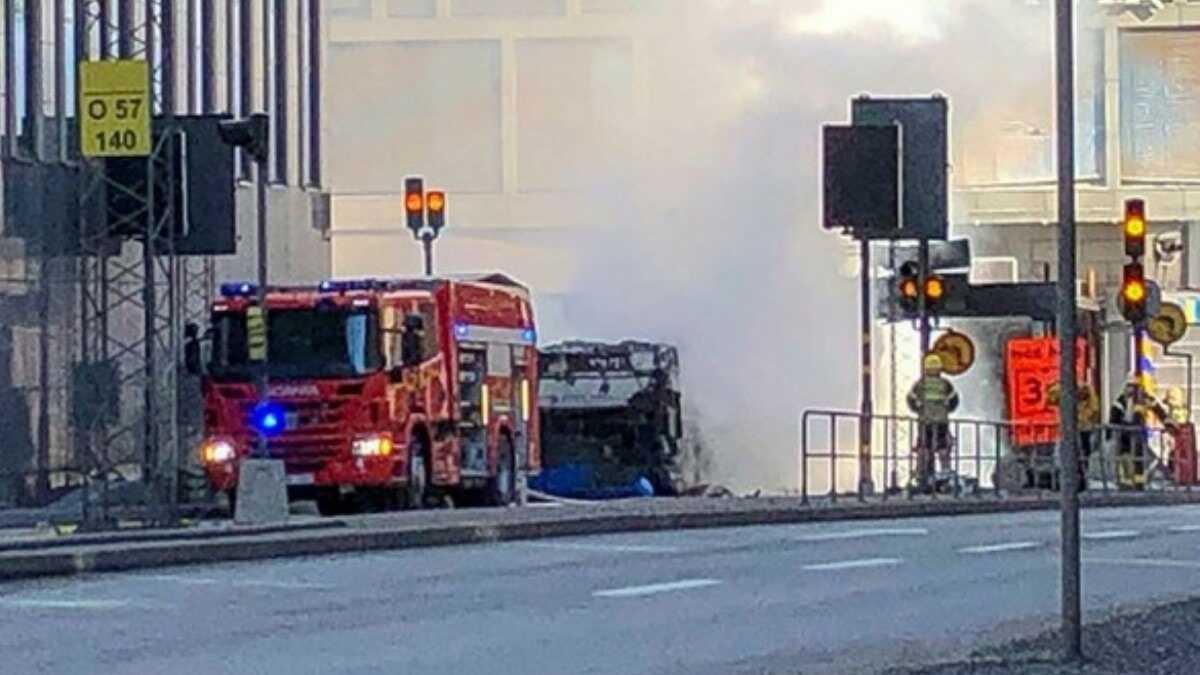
(833, 597)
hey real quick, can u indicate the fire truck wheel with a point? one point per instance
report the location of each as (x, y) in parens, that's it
(330, 503)
(418, 475)
(502, 488)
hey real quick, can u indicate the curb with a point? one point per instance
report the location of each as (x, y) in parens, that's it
(70, 558)
(132, 537)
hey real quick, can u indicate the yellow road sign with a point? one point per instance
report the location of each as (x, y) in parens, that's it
(114, 108)
(1168, 326)
(956, 351)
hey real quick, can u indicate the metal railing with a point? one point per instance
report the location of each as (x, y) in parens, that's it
(982, 458)
(93, 498)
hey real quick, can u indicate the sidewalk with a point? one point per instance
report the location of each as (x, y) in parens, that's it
(23, 556)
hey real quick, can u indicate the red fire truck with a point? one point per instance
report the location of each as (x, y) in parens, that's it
(380, 391)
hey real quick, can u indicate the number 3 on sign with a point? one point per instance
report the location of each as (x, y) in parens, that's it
(114, 108)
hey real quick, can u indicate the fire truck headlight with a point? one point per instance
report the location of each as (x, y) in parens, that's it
(372, 446)
(217, 452)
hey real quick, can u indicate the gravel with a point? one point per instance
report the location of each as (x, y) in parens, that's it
(1162, 640)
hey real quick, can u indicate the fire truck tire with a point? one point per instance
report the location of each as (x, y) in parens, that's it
(417, 488)
(330, 503)
(502, 488)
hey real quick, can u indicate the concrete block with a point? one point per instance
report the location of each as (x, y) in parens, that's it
(261, 493)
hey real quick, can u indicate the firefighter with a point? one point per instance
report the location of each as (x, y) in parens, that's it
(932, 398)
(1087, 416)
(1130, 412)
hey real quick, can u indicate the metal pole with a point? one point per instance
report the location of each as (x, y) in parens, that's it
(866, 485)
(1072, 630)
(264, 374)
(427, 242)
(923, 264)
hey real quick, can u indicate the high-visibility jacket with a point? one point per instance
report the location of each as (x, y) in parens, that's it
(933, 399)
(1087, 407)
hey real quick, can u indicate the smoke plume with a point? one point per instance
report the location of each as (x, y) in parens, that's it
(710, 237)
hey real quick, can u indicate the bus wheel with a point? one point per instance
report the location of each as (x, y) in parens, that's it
(502, 488)
(418, 475)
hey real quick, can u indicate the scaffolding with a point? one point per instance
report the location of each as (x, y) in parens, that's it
(112, 296)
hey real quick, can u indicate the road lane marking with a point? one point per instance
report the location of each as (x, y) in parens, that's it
(1001, 548)
(1184, 528)
(651, 589)
(863, 534)
(1145, 562)
(853, 564)
(604, 548)
(1110, 534)
(39, 603)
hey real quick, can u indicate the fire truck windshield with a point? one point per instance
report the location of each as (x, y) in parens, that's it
(302, 343)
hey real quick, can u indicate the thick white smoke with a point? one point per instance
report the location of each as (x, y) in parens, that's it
(712, 240)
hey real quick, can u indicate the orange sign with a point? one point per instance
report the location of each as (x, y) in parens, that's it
(1032, 365)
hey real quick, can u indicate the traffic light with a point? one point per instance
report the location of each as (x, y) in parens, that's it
(252, 134)
(414, 203)
(1134, 227)
(935, 292)
(435, 204)
(908, 286)
(1133, 293)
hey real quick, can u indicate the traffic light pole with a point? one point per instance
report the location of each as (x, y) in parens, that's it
(427, 243)
(1072, 613)
(866, 484)
(264, 382)
(922, 309)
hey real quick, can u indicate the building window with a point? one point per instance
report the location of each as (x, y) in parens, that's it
(412, 8)
(508, 7)
(279, 101)
(1160, 92)
(350, 9)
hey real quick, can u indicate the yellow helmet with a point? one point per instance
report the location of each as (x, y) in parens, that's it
(932, 364)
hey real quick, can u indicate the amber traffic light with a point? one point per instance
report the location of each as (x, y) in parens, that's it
(1134, 227)
(414, 203)
(1133, 293)
(435, 203)
(909, 286)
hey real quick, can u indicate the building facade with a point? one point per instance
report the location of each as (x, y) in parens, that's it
(509, 105)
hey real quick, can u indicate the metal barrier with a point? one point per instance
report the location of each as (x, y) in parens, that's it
(982, 458)
(90, 498)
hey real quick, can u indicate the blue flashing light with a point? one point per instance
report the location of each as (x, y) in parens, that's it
(530, 335)
(238, 290)
(269, 418)
(341, 286)
(460, 330)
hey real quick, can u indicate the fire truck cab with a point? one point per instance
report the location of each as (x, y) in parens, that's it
(381, 392)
